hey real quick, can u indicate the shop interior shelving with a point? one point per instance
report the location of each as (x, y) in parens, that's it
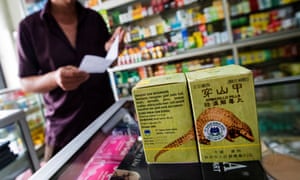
(111, 4)
(187, 54)
(267, 38)
(233, 47)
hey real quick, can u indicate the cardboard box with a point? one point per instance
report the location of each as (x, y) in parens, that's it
(165, 119)
(224, 111)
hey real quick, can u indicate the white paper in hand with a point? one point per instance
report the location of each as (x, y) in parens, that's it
(97, 64)
(94, 64)
(113, 51)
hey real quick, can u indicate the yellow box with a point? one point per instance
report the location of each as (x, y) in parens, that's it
(165, 119)
(224, 111)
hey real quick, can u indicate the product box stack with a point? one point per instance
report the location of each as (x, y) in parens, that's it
(207, 113)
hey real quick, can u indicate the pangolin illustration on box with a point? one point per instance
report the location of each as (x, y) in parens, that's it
(235, 128)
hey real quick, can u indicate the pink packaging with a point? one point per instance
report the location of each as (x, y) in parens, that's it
(101, 170)
(107, 157)
(115, 147)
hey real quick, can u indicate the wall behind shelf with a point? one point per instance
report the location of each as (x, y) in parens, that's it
(9, 18)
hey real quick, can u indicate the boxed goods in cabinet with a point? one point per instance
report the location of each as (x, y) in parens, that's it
(31, 104)
(224, 111)
(165, 120)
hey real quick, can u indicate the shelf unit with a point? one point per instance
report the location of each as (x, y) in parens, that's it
(232, 47)
(277, 81)
(267, 38)
(184, 55)
(110, 4)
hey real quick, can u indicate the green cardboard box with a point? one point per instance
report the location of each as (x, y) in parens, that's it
(224, 110)
(165, 119)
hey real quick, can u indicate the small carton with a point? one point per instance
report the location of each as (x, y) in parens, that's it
(165, 119)
(224, 111)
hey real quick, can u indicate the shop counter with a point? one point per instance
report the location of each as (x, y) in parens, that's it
(111, 148)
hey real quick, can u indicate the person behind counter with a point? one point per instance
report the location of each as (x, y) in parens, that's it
(51, 44)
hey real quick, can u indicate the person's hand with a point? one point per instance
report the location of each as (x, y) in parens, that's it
(70, 77)
(118, 32)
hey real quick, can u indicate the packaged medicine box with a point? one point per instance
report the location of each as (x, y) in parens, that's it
(224, 110)
(165, 119)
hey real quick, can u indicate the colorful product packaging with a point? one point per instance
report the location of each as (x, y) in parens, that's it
(99, 170)
(165, 119)
(115, 148)
(107, 157)
(224, 110)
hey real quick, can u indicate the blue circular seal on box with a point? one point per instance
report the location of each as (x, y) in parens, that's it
(215, 131)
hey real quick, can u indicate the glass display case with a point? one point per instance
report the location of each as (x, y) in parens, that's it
(14, 160)
(16, 146)
(278, 108)
(111, 148)
(31, 104)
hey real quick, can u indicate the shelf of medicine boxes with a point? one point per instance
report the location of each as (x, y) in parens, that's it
(134, 36)
(109, 4)
(266, 38)
(256, 27)
(31, 104)
(112, 4)
(235, 45)
(171, 30)
(239, 8)
(158, 17)
(273, 63)
(272, 19)
(191, 53)
(148, 14)
(166, 13)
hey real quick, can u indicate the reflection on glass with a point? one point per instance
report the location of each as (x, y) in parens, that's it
(278, 109)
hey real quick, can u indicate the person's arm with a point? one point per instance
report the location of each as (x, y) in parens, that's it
(68, 78)
(39, 83)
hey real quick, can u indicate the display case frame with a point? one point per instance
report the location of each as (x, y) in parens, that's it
(62, 157)
(8, 117)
